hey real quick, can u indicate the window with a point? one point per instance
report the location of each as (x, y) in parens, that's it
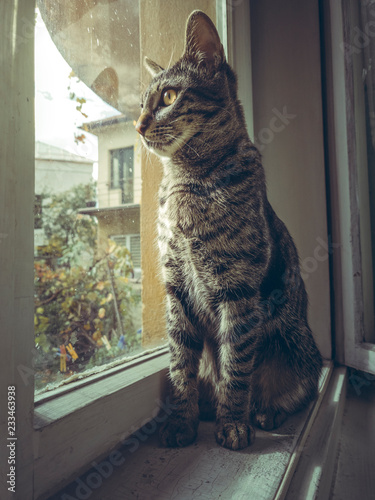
(122, 173)
(133, 243)
(122, 398)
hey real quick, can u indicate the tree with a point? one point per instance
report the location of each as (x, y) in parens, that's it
(83, 303)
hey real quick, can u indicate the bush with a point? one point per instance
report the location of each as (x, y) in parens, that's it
(81, 302)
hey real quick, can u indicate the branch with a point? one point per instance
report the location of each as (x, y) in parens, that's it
(50, 299)
(89, 338)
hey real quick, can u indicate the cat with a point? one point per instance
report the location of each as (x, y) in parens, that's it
(240, 344)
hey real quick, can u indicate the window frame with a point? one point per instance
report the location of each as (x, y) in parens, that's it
(17, 163)
(351, 348)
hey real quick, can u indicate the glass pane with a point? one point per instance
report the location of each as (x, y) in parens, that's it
(89, 183)
(87, 285)
(115, 180)
(362, 49)
(128, 170)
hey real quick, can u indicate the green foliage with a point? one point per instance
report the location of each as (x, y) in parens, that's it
(66, 229)
(76, 292)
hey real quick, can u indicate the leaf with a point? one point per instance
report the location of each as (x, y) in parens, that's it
(101, 313)
(79, 138)
(100, 285)
(97, 335)
(112, 246)
(42, 341)
(92, 296)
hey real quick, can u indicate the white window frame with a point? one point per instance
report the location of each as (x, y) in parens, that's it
(347, 263)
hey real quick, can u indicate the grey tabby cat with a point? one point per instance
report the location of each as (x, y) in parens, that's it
(241, 347)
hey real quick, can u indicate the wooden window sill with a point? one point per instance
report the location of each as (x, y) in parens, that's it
(262, 471)
(76, 425)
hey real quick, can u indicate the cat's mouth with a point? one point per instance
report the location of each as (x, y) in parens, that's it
(156, 147)
(168, 146)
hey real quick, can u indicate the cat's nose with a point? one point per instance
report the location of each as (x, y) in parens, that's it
(142, 123)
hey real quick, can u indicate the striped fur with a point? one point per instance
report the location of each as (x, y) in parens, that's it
(241, 348)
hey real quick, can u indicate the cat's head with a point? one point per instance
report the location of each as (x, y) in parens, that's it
(186, 103)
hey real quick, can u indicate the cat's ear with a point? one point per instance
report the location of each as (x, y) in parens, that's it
(202, 42)
(152, 67)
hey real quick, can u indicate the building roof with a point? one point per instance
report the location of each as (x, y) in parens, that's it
(96, 125)
(96, 211)
(45, 151)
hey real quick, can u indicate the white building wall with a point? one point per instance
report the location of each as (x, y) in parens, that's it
(52, 176)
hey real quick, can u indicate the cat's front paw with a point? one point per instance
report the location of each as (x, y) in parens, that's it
(177, 433)
(234, 435)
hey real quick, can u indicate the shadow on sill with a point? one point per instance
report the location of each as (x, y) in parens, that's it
(204, 470)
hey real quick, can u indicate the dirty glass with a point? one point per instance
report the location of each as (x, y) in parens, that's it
(87, 257)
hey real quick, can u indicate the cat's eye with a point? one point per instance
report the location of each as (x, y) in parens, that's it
(169, 96)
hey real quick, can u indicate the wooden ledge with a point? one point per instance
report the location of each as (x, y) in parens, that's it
(204, 470)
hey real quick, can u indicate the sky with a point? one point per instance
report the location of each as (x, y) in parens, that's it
(56, 116)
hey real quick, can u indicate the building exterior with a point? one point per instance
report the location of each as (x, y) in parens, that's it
(119, 185)
(56, 171)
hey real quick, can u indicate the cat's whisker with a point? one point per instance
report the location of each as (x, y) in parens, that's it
(171, 58)
(180, 141)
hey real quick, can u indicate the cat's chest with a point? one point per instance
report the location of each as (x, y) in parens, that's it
(182, 226)
(187, 256)
(185, 214)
